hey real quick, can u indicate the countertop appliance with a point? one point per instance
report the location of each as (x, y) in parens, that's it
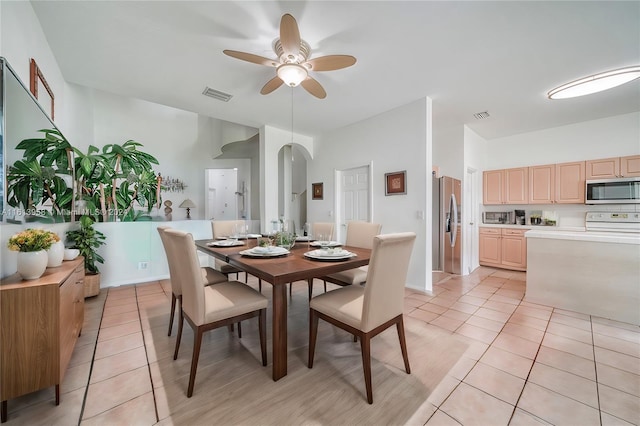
(613, 191)
(613, 221)
(520, 217)
(447, 230)
(502, 218)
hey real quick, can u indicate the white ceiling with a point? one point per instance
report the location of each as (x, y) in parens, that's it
(500, 57)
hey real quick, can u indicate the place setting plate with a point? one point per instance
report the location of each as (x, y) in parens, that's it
(270, 251)
(225, 243)
(324, 243)
(329, 255)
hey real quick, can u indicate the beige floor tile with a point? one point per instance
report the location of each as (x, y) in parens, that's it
(120, 309)
(517, 345)
(534, 312)
(619, 379)
(536, 305)
(137, 411)
(443, 390)
(508, 362)
(492, 315)
(118, 319)
(507, 308)
(421, 415)
(568, 345)
(425, 316)
(462, 368)
(473, 300)
(480, 294)
(436, 309)
(504, 299)
(476, 349)
(532, 322)
(81, 355)
(555, 408)
(87, 337)
(485, 323)
(564, 383)
(108, 333)
(570, 332)
(413, 302)
(573, 314)
(609, 420)
(477, 333)
(420, 296)
(469, 405)
(576, 322)
(114, 365)
(119, 344)
(523, 331)
(75, 377)
(617, 324)
(617, 360)
(447, 323)
(619, 404)
(495, 382)
(567, 362)
(442, 301)
(440, 418)
(617, 345)
(112, 392)
(457, 315)
(617, 332)
(467, 308)
(522, 418)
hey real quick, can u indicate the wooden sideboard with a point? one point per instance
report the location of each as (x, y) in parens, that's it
(40, 321)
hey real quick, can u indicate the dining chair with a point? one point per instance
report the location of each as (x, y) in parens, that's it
(319, 230)
(208, 307)
(209, 276)
(366, 311)
(359, 234)
(221, 229)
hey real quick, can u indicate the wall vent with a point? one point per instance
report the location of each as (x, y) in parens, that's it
(216, 94)
(481, 115)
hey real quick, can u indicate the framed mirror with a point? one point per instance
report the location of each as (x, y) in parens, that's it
(40, 89)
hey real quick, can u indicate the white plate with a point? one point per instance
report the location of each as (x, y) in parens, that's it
(328, 255)
(303, 238)
(325, 244)
(265, 252)
(225, 243)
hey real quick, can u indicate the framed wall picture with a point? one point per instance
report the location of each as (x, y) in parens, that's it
(316, 190)
(395, 183)
(40, 89)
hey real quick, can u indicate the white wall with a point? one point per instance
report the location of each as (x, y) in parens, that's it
(475, 149)
(367, 142)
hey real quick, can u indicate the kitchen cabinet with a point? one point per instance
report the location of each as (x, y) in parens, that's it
(542, 184)
(503, 248)
(507, 186)
(562, 183)
(616, 167)
(40, 321)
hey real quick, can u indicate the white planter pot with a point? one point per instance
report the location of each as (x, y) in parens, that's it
(55, 254)
(32, 264)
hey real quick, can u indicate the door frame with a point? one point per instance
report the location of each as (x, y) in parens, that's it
(338, 190)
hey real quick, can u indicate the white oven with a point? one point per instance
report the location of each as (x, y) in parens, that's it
(613, 221)
(613, 191)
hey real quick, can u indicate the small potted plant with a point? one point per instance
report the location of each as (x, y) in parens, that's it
(87, 239)
(32, 246)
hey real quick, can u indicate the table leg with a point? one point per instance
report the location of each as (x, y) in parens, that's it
(279, 335)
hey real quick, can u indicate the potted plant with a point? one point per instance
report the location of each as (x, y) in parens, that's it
(87, 239)
(32, 246)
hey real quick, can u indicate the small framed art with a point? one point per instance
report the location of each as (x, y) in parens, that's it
(395, 183)
(316, 190)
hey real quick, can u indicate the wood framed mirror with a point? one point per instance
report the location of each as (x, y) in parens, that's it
(40, 89)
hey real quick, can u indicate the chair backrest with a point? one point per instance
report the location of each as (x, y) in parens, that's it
(175, 283)
(322, 228)
(183, 255)
(224, 228)
(360, 234)
(386, 278)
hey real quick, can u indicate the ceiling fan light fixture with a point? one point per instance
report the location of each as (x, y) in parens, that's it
(292, 74)
(595, 83)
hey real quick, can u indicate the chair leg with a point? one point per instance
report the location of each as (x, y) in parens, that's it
(180, 323)
(403, 345)
(239, 330)
(173, 311)
(246, 277)
(290, 290)
(313, 334)
(365, 345)
(310, 284)
(197, 342)
(325, 286)
(262, 328)
(259, 285)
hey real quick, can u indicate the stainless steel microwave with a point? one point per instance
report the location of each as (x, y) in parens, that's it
(613, 191)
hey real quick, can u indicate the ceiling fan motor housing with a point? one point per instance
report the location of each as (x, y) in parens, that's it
(302, 56)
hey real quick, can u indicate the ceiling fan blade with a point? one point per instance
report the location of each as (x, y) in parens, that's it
(271, 85)
(331, 62)
(312, 86)
(289, 35)
(249, 57)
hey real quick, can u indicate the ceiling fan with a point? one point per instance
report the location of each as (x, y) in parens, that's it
(293, 63)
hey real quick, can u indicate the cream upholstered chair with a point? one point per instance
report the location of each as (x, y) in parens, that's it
(209, 276)
(224, 228)
(365, 311)
(359, 234)
(318, 230)
(209, 307)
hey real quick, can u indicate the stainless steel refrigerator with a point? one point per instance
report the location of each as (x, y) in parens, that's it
(447, 230)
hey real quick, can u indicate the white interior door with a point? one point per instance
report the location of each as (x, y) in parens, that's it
(470, 221)
(221, 193)
(354, 196)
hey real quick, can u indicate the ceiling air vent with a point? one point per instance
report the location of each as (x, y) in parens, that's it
(481, 115)
(216, 94)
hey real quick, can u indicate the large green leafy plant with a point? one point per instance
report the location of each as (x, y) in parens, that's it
(87, 239)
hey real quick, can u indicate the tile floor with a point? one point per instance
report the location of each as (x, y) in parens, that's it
(526, 364)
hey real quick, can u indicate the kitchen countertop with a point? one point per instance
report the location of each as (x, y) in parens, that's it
(602, 237)
(542, 228)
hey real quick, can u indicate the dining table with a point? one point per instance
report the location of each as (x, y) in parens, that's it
(278, 271)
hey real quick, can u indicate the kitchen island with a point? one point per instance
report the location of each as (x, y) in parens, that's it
(595, 273)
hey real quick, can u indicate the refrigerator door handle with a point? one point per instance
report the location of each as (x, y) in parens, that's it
(453, 208)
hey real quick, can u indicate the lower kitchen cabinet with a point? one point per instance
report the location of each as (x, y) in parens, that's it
(503, 248)
(40, 321)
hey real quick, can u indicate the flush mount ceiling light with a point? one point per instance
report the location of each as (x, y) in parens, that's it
(292, 74)
(595, 83)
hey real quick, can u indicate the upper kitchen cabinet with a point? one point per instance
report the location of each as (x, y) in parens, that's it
(508, 186)
(608, 168)
(570, 183)
(542, 184)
